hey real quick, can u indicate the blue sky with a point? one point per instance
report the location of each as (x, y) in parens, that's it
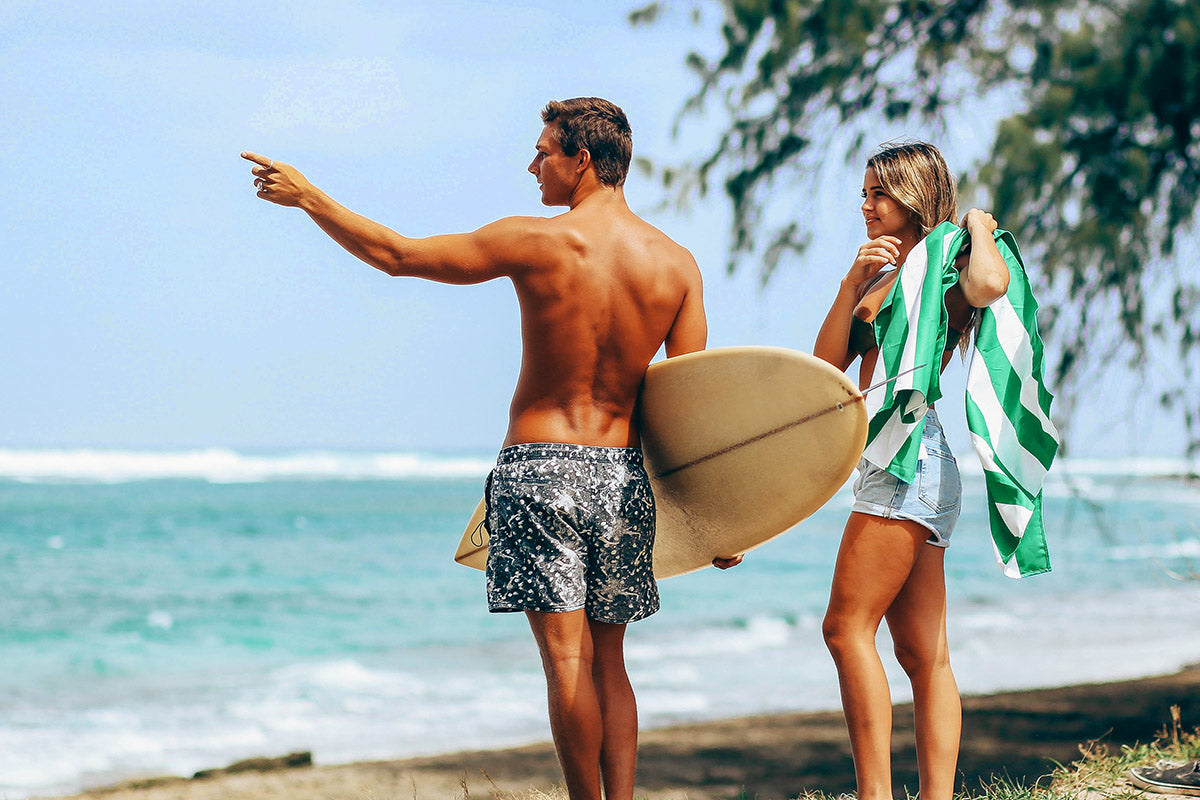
(151, 301)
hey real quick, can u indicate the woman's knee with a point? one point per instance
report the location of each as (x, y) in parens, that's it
(842, 635)
(921, 659)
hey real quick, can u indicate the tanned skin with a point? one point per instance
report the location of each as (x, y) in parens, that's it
(600, 291)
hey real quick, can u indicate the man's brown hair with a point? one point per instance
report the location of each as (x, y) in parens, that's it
(595, 125)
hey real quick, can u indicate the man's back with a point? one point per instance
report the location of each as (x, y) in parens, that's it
(610, 292)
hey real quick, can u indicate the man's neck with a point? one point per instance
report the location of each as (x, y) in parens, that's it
(596, 193)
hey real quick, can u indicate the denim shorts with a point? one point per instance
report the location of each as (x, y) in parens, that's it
(571, 526)
(933, 499)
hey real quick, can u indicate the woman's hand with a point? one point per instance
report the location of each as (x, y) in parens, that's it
(832, 344)
(873, 257)
(981, 221)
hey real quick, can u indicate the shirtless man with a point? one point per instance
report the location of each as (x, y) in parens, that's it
(569, 505)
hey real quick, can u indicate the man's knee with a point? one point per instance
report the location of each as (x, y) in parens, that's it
(608, 646)
(563, 638)
(608, 639)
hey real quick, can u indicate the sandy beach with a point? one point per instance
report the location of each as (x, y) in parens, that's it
(1018, 734)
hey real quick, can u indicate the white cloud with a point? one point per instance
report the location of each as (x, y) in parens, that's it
(341, 96)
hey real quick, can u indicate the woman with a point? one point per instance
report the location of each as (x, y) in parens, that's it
(890, 563)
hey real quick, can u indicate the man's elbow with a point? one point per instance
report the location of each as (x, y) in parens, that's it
(386, 260)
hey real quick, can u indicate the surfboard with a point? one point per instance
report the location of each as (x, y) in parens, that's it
(741, 444)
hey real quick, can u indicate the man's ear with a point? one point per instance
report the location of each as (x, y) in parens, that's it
(583, 160)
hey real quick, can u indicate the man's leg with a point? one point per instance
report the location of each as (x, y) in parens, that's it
(564, 640)
(618, 710)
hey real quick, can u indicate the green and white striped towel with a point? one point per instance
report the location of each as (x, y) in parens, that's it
(1008, 405)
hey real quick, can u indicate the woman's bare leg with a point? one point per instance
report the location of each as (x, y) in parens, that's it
(873, 565)
(917, 621)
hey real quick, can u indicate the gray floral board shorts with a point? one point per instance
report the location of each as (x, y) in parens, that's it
(571, 526)
(933, 499)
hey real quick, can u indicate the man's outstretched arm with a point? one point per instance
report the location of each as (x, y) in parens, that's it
(493, 251)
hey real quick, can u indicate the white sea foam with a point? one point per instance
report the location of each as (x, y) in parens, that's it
(1183, 548)
(160, 619)
(756, 634)
(1140, 467)
(224, 465)
(1101, 467)
(341, 709)
(220, 465)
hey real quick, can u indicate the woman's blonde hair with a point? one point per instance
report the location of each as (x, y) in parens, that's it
(916, 175)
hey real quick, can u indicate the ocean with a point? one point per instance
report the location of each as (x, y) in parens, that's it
(165, 612)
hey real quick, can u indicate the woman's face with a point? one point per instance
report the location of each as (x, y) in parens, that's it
(883, 215)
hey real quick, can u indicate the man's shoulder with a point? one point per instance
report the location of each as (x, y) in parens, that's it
(661, 250)
(581, 231)
(518, 224)
(528, 232)
(629, 225)
(534, 244)
(559, 226)
(671, 251)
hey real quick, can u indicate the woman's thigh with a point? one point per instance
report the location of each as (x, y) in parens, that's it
(873, 565)
(917, 615)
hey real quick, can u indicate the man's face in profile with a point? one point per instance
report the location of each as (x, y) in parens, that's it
(554, 169)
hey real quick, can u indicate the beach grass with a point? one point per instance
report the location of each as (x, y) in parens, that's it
(1100, 773)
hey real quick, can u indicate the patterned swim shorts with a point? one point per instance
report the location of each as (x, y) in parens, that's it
(571, 526)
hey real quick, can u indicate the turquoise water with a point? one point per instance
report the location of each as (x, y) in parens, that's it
(163, 613)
